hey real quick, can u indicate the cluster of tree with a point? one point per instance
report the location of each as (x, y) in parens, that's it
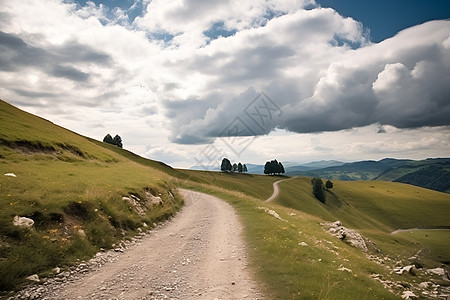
(318, 188)
(273, 167)
(116, 141)
(226, 166)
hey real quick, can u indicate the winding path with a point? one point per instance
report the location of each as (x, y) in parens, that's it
(200, 254)
(276, 189)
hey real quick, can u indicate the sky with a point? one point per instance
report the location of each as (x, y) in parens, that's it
(189, 82)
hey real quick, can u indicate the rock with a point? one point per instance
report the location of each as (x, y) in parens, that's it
(23, 222)
(272, 213)
(57, 270)
(408, 295)
(342, 268)
(81, 233)
(437, 271)
(350, 236)
(410, 269)
(34, 278)
(303, 244)
(424, 284)
(10, 175)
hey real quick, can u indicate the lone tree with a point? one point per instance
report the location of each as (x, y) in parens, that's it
(317, 184)
(273, 167)
(244, 168)
(226, 165)
(108, 139)
(328, 184)
(235, 168)
(118, 141)
(239, 167)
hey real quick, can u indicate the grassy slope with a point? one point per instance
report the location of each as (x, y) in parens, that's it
(66, 182)
(290, 270)
(373, 208)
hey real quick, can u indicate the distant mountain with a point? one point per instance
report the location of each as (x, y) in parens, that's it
(430, 173)
(205, 168)
(289, 166)
(312, 166)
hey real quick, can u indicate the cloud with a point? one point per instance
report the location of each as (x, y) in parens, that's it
(167, 72)
(400, 82)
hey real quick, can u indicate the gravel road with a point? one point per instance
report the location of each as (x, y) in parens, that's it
(200, 254)
(276, 189)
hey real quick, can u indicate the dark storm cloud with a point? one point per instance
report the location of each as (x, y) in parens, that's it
(57, 61)
(69, 73)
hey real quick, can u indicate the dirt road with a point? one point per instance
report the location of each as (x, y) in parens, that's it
(276, 189)
(198, 255)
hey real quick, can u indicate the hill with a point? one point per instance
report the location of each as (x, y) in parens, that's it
(85, 196)
(430, 173)
(291, 248)
(82, 195)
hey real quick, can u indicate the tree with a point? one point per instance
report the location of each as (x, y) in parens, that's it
(317, 184)
(226, 165)
(239, 167)
(281, 168)
(108, 139)
(235, 167)
(328, 184)
(273, 167)
(117, 141)
(244, 168)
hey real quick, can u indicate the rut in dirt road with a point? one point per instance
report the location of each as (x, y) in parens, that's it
(198, 255)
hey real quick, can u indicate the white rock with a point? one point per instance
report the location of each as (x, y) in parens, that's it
(57, 270)
(81, 233)
(342, 268)
(409, 269)
(437, 271)
(303, 244)
(23, 222)
(10, 175)
(408, 295)
(424, 284)
(33, 277)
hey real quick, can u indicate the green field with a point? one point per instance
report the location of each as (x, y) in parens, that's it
(68, 183)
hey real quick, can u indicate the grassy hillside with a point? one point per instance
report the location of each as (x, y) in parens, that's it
(72, 187)
(298, 259)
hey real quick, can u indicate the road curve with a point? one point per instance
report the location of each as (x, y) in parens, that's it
(276, 189)
(200, 254)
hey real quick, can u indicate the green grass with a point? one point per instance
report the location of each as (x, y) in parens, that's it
(292, 271)
(67, 183)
